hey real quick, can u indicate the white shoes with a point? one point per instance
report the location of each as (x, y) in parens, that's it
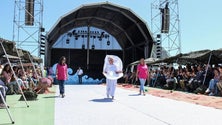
(207, 91)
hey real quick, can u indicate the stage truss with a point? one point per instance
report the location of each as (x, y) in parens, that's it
(27, 37)
(171, 41)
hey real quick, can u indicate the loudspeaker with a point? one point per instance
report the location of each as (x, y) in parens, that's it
(158, 46)
(165, 19)
(29, 12)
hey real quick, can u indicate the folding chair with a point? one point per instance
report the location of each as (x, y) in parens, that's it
(6, 106)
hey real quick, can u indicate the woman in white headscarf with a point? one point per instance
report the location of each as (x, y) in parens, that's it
(112, 70)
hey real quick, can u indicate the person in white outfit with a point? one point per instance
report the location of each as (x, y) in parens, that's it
(80, 74)
(112, 70)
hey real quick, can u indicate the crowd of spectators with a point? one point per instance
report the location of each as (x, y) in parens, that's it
(16, 80)
(199, 79)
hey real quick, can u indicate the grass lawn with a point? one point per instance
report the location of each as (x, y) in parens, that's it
(39, 112)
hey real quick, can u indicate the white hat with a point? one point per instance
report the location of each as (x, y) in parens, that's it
(119, 65)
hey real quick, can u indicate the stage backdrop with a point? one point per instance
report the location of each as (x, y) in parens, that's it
(78, 58)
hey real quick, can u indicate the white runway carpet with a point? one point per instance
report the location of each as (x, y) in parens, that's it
(88, 105)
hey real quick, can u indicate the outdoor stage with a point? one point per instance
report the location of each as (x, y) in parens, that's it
(88, 105)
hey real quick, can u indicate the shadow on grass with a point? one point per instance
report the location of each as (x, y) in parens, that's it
(6, 124)
(20, 107)
(103, 100)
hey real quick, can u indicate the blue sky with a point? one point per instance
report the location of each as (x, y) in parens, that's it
(200, 21)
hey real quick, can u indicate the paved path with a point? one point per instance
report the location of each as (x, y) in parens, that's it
(87, 105)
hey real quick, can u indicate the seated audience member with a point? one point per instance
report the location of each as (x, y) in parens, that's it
(219, 83)
(180, 78)
(161, 79)
(190, 75)
(186, 77)
(196, 79)
(132, 77)
(171, 82)
(44, 84)
(209, 73)
(25, 77)
(45, 72)
(6, 73)
(126, 76)
(35, 77)
(220, 69)
(153, 77)
(3, 90)
(212, 89)
(6, 76)
(17, 84)
(219, 86)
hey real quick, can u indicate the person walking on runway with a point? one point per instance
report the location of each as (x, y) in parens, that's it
(142, 74)
(112, 70)
(62, 75)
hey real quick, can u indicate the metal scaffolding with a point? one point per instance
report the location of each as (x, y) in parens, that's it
(28, 25)
(170, 40)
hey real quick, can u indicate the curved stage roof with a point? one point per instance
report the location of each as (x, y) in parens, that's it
(130, 31)
(122, 23)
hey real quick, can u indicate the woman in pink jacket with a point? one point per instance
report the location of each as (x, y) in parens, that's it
(62, 75)
(142, 74)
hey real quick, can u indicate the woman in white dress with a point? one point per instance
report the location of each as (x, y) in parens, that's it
(112, 70)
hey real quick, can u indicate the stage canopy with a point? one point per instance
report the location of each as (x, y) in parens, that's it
(195, 57)
(10, 49)
(130, 31)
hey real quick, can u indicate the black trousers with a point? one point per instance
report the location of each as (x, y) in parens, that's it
(80, 79)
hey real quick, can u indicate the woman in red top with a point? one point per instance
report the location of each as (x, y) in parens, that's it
(142, 73)
(61, 75)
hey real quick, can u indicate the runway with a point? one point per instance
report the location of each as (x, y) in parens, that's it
(88, 105)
